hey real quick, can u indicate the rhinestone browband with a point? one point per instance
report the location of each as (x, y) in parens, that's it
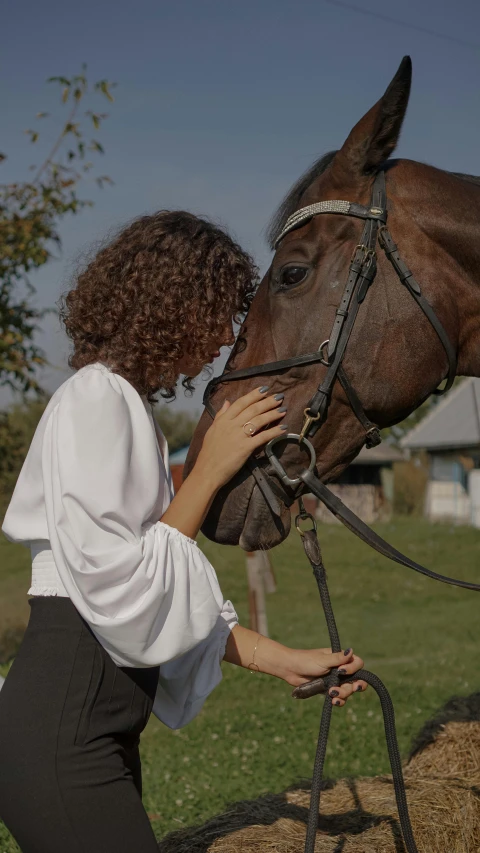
(305, 213)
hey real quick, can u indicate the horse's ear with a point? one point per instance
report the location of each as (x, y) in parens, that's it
(375, 136)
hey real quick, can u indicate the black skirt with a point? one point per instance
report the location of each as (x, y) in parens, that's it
(70, 724)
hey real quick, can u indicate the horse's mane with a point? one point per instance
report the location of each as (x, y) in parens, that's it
(291, 201)
(472, 179)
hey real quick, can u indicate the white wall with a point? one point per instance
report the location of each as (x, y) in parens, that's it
(447, 501)
(474, 491)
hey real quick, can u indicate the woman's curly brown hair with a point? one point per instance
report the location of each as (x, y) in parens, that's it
(164, 280)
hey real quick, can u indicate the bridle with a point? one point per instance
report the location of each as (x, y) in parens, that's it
(361, 274)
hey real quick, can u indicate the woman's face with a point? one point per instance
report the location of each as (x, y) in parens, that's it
(187, 367)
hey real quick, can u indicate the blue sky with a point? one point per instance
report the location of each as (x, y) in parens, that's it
(221, 104)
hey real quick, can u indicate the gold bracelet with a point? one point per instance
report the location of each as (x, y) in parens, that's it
(253, 667)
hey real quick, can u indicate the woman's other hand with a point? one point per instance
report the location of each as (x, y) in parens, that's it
(295, 666)
(303, 665)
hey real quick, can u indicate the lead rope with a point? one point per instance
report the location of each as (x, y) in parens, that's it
(312, 550)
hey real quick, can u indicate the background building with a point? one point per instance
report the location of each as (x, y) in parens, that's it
(450, 434)
(367, 485)
(177, 461)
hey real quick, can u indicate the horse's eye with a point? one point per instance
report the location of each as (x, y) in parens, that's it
(291, 276)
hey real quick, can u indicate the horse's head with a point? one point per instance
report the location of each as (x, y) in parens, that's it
(394, 358)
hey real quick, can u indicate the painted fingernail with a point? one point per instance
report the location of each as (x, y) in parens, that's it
(334, 693)
(337, 702)
(284, 427)
(342, 671)
(359, 688)
(279, 396)
(347, 652)
(264, 389)
(282, 410)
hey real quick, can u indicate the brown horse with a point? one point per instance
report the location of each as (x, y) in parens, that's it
(394, 358)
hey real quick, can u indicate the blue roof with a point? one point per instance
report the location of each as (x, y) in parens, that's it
(179, 457)
(454, 422)
(376, 456)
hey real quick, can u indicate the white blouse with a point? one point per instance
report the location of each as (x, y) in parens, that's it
(87, 501)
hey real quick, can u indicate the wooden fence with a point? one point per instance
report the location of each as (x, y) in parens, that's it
(261, 581)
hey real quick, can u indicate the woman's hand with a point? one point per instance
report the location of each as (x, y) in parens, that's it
(226, 445)
(295, 666)
(303, 665)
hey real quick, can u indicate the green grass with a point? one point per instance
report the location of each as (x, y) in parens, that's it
(15, 574)
(420, 637)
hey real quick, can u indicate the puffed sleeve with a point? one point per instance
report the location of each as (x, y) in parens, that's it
(148, 592)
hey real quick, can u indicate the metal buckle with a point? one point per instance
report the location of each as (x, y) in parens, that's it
(324, 360)
(277, 465)
(381, 236)
(309, 420)
(305, 516)
(373, 437)
(367, 253)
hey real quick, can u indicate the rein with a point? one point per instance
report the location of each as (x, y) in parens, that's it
(361, 274)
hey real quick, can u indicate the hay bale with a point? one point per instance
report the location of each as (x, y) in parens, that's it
(440, 749)
(359, 815)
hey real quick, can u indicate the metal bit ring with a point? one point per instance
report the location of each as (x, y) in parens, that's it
(249, 429)
(277, 465)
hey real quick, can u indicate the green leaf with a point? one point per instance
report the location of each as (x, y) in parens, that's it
(70, 127)
(104, 86)
(62, 80)
(31, 212)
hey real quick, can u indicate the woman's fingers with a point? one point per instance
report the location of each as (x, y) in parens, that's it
(241, 405)
(226, 405)
(344, 659)
(260, 421)
(260, 410)
(308, 664)
(340, 694)
(267, 434)
(308, 668)
(346, 662)
(351, 666)
(258, 406)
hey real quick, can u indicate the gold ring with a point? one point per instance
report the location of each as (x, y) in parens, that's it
(249, 428)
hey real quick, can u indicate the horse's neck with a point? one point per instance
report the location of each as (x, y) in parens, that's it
(463, 244)
(469, 324)
(469, 340)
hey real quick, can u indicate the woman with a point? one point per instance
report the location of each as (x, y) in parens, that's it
(126, 612)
